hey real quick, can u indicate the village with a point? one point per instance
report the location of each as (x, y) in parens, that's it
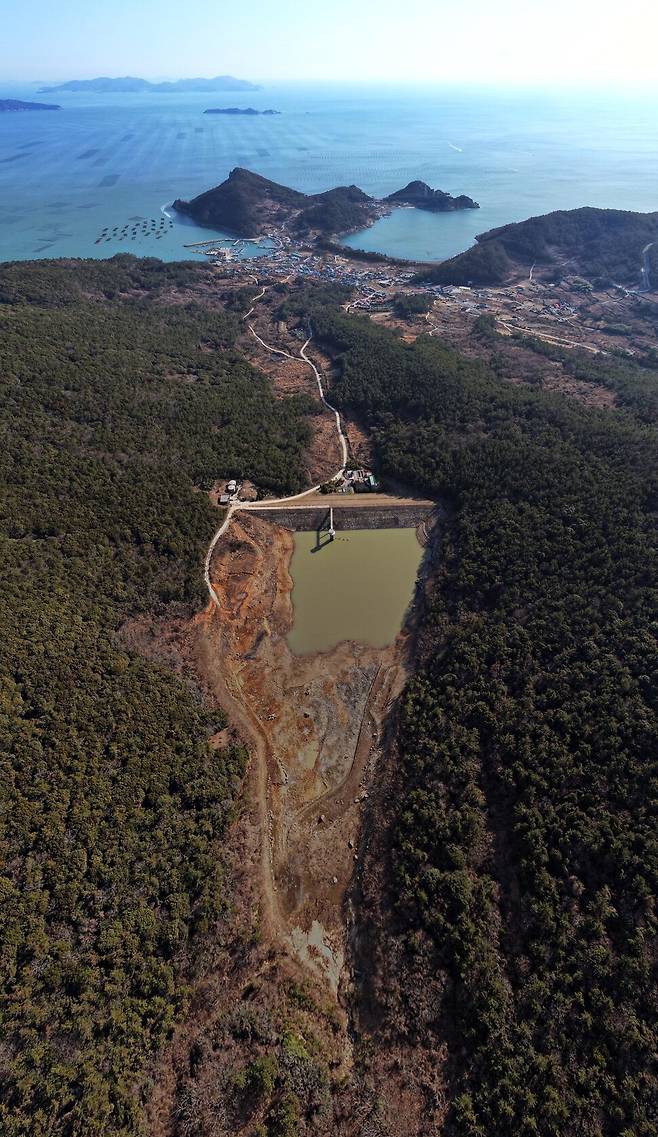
(568, 312)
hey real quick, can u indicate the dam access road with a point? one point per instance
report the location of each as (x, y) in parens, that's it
(311, 497)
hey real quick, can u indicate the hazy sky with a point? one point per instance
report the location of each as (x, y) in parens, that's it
(511, 41)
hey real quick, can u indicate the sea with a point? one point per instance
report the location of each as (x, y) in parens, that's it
(98, 176)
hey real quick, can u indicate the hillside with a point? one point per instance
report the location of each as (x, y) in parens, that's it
(506, 923)
(130, 85)
(603, 245)
(500, 916)
(244, 204)
(248, 204)
(118, 403)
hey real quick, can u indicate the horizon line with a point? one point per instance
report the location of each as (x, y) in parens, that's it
(383, 81)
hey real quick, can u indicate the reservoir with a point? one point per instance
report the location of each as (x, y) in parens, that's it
(356, 587)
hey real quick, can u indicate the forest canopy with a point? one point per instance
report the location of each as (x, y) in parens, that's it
(118, 404)
(521, 823)
(522, 844)
(603, 244)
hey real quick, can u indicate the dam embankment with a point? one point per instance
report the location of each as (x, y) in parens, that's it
(313, 518)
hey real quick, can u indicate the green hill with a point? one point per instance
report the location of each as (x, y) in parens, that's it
(511, 954)
(603, 245)
(248, 204)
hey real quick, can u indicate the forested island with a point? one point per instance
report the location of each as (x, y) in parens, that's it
(422, 196)
(131, 85)
(239, 110)
(604, 245)
(248, 205)
(20, 105)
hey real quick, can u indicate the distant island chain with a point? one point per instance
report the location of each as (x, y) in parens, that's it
(239, 110)
(131, 85)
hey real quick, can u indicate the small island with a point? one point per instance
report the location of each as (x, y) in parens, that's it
(19, 105)
(249, 206)
(422, 196)
(239, 110)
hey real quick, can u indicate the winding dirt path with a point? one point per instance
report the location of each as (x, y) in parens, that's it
(559, 341)
(241, 713)
(252, 732)
(273, 503)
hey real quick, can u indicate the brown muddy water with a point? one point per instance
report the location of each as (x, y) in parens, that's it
(356, 587)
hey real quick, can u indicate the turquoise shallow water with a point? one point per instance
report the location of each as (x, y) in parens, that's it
(107, 161)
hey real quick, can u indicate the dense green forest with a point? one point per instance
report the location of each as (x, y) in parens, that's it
(336, 211)
(120, 398)
(606, 245)
(408, 305)
(522, 835)
(523, 838)
(236, 205)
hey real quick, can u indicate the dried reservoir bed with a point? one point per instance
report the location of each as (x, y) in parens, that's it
(316, 724)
